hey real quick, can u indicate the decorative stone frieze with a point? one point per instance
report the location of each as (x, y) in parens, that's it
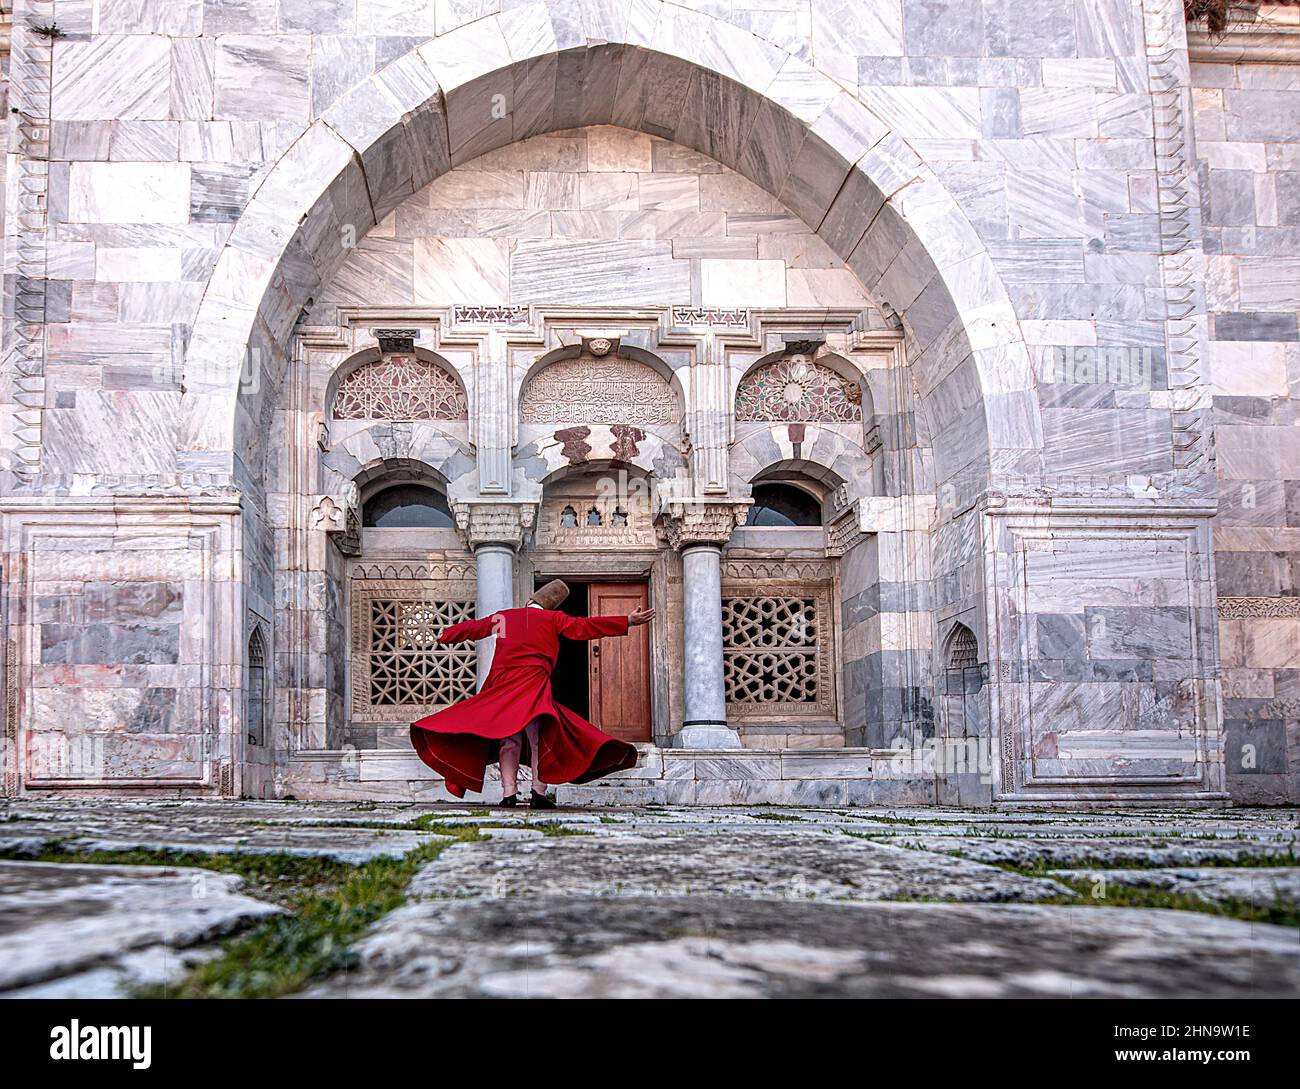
(594, 523)
(1249, 608)
(787, 570)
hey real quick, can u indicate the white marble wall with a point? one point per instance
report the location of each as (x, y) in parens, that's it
(989, 179)
(1248, 147)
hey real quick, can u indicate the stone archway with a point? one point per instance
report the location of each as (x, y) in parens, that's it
(687, 76)
(770, 117)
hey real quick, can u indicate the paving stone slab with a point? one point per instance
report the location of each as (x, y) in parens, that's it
(61, 919)
(1259, 885)
(107, 828)
(755, 864)
(1075, 851)
(715, 947)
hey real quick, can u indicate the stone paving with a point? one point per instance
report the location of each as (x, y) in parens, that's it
(681, 902)
(96, 927)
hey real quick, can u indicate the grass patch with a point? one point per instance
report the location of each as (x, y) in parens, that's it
(286, 953)
(280, 878)
(1044, 867)
(1137, 896)
(329, 905)
(1281, 913)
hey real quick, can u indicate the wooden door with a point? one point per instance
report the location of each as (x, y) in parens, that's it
(618, 669)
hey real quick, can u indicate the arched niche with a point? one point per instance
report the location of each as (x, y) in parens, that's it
(830, 159)
(630, 387)
(595, 507)
(409, 479)
(420, 385)
(798, 387)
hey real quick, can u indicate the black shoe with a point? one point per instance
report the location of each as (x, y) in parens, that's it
(541, 801)
(508, 803)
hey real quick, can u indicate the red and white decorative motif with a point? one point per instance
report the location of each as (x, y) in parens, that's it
(727, 317)
(400, 387)
(797, 389)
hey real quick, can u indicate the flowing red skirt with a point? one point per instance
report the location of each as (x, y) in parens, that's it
(460, 741)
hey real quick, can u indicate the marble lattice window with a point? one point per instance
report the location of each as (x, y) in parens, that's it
(796, 389)
(772, 650)
(400, 387)
(400, 666)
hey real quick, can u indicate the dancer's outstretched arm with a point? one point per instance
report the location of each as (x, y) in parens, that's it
(595, 627)
(468, 629)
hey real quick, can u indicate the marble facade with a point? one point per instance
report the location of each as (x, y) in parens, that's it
(1055, 259)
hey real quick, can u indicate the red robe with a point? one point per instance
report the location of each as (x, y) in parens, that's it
(459, 741)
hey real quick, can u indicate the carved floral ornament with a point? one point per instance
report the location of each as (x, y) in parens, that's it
(400, 387)
(797, 389)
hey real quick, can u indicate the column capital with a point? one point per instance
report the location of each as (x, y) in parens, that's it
(495, 521)
(701, 521)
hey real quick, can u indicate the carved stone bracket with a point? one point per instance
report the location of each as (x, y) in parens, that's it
(846, 531)
(337, 518)
(684, 522)
(494, 522)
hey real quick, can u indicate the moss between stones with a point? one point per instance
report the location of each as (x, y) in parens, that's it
(1137, 896)
(1282, 913)
(330, 904)
(276, 877)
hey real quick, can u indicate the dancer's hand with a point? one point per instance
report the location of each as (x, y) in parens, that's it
(640, 616)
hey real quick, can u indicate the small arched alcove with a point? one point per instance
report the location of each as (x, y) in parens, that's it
(407, 505)
(255, 692)
(778, 504)
(963, 680)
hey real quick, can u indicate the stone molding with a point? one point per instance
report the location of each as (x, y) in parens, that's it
(879, 514)
(800, 571)
(31, 67)
(505, 522)
(686, 522)
(1181, 258)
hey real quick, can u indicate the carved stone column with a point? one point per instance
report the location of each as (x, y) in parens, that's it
(700, 529)
(493, 531)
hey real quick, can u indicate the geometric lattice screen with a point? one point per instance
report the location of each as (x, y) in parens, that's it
(771, 650)
(404, 664)
(399, 387)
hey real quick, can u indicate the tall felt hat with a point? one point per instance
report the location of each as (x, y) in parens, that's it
(552, 595)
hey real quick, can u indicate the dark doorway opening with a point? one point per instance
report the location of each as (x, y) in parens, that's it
(569, 683)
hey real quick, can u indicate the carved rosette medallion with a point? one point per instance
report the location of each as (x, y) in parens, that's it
(797, 389)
